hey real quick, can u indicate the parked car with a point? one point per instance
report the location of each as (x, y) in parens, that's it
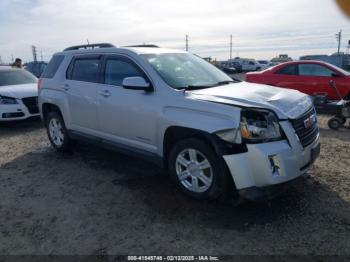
(230, 67)
(213, 134)
(309, 77)
(247, 64)
(18, 94)
(264, 64)
(229, 70)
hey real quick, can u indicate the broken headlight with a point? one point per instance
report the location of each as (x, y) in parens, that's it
(259, 126)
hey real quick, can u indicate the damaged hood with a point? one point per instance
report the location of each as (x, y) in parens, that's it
(19, 91)
(286, 103)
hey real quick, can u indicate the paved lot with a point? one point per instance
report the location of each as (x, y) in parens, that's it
(94, 201)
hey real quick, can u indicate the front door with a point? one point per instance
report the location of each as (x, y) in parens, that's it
(316, 80)
(126, 116)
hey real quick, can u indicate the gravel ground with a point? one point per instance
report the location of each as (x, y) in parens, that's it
(94, 201)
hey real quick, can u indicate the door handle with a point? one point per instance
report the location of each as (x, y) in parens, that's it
(105, 93)
(65, 87)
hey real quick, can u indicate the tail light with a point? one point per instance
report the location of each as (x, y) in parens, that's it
(39, 84)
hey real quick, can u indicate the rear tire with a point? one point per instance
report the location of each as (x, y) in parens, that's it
(196, 169)
(335, 123)
(57, 132)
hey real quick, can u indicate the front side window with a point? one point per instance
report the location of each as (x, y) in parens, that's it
(16, 77)
(314, 70)
(183, 70)
(85, 69)
(288, 70)
(118, 69)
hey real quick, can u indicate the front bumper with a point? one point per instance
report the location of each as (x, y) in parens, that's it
(15, 112)
(271, 164)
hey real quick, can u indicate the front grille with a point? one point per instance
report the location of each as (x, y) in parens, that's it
(306, 135)
(32, 104)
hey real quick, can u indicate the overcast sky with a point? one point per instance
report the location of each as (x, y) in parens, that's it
(260, 28)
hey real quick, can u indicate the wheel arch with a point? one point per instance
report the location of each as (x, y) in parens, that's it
(173, 134)
(49, 107)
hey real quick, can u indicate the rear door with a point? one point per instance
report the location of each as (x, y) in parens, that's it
(287, 77)
(83, 76)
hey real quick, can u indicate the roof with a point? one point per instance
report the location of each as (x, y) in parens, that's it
(137, 50)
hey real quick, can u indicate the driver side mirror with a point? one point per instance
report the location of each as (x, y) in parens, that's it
(137, 83)
(335, 75)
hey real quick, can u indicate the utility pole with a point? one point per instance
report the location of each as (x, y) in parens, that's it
(338, 37)
(186, 43)
(230, 47)
(34, 54)
(12, 58)
(41, 55)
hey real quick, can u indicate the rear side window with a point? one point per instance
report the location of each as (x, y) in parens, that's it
(53, 66)
(288, 70)
(85, 69)
(118, 69)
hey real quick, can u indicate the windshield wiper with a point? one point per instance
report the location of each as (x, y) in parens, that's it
(221, 83)
(195, 87)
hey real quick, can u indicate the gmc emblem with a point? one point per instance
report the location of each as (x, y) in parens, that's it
(310, 121)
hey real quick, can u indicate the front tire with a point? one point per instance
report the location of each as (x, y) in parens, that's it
(56, 131)
(196, 169)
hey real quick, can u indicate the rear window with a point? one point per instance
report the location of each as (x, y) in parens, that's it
(16, 77)
(53, 66)
(85, 69)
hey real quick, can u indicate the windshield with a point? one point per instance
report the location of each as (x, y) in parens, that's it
(186, 71)
(340, 70)
(16, 77)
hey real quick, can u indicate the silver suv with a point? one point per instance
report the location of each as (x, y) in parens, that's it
(213, 134)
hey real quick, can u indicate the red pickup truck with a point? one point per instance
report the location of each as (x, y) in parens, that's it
(309, 77)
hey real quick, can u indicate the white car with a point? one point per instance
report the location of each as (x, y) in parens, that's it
(18, 94)
(264, 64)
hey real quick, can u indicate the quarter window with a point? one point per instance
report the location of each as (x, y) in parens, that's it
(118, 69)
(85, 69)
(53, 66)
(314, 70)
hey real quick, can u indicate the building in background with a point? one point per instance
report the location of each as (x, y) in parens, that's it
(35, 67)
(341, 60)
(281, 59)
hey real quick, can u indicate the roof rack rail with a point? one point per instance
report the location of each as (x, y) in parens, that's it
(142, 46)
(89, 46)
